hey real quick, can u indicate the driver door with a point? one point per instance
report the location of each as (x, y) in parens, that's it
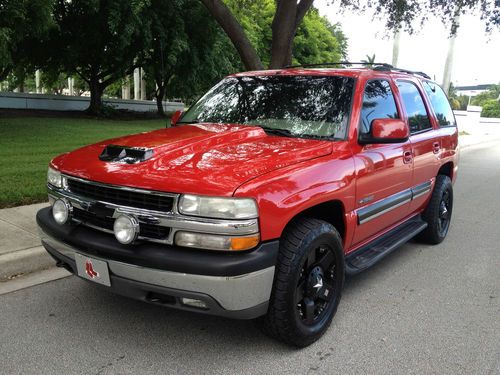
(384, 171)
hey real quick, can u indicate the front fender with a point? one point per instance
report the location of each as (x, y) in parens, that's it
(284, 194)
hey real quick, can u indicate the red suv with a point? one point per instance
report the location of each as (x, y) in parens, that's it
(261, 197)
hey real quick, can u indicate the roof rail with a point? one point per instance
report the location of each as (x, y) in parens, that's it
(375, 66)
(393, 69)
(337, 63)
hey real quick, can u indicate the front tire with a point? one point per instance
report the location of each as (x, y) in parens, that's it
(438, 212)
(307, 284)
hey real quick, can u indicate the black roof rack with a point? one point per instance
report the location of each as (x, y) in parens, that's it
(337, 63)
(393, 69)
(375, 66)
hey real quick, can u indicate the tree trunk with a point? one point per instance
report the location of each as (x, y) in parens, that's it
(235, 32)
(289, 14)
(96, 90)
(160, 94)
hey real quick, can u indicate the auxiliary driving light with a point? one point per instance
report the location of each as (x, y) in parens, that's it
(61, 211)
(126, 229)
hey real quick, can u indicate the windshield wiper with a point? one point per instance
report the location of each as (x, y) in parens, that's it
(188, 122)
(276, 131)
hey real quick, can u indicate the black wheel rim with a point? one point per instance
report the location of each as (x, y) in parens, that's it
(445, 206)
(316, 287)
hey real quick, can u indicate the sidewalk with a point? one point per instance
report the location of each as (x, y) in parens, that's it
(20, 249)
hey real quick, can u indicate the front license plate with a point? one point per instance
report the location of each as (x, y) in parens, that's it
(92, 269)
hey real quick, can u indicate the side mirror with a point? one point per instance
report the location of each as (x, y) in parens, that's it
(175, 117)
(386, 130)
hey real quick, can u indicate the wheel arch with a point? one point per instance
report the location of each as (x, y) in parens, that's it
(332, 212)
(446, 169)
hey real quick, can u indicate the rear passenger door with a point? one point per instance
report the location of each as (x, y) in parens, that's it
(424, 139)
(384, 171)
(446, 122)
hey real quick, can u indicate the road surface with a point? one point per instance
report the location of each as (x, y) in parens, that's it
(423, 310)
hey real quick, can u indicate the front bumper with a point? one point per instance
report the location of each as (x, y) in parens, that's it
(232, 285)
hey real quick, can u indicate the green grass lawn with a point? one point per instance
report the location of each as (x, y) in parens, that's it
(27, 144)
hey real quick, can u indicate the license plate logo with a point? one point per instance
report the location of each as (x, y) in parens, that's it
(92, 269)
(89, 269)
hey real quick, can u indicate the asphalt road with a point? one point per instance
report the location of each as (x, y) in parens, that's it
(423, 310)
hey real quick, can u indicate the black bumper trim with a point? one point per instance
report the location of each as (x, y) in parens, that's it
(158, 256)
(158, 295)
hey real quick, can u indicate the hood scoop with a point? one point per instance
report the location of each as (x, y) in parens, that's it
(124, 154)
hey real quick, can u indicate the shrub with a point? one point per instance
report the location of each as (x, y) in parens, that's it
(491, 108)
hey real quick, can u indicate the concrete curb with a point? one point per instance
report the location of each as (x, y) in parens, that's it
(32, 279)
(24, 261)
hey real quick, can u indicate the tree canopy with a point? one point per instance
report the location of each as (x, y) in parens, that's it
(289, 14)
(22, 24)
(182, 47)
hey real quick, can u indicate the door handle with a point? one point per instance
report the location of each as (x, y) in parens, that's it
(436, 147)
(407, 157)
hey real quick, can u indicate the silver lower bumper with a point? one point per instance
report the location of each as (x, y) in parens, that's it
(233, 293)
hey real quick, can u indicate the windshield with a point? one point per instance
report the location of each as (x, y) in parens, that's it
(300, 106)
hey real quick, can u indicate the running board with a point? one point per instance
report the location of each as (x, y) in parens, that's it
(370, 254)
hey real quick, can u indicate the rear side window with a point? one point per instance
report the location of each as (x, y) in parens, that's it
(440, 104)
(415, 107)
(378, 102)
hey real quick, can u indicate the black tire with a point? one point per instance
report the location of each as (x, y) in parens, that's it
(305, 296)
(438, 212)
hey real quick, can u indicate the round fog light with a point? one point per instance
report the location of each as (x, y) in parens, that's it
(61, 211)
(126, 229)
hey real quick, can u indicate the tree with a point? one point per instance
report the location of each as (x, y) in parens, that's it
(185, 49)
(22, 23)
(489, 101)
(290, 13)
(97, 39)
(316, 39)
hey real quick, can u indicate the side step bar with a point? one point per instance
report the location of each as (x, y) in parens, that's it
(370, 254)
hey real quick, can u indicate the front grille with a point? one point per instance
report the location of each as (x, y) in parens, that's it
(121, 197)
(146, 230)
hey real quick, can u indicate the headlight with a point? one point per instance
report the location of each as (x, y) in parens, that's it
(216, 242)
(219, 208)
(54, 177)
(61, 211)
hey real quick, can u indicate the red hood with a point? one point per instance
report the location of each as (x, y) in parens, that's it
(210, 159)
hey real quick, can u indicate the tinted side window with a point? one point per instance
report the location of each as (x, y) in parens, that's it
(415, 107)
(440, 104)
(378, 102)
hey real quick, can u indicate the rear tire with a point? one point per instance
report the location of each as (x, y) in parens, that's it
(308, 283)
(438, 212)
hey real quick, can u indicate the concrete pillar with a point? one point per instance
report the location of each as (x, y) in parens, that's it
(448, 66)
(143, 85)
(395, 48)
(137, 88)
(126, 88)
(38, 76)
(71, 86)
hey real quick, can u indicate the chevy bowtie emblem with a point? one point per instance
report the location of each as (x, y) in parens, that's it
(89, 270)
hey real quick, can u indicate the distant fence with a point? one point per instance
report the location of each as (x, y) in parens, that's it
(16, 100)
